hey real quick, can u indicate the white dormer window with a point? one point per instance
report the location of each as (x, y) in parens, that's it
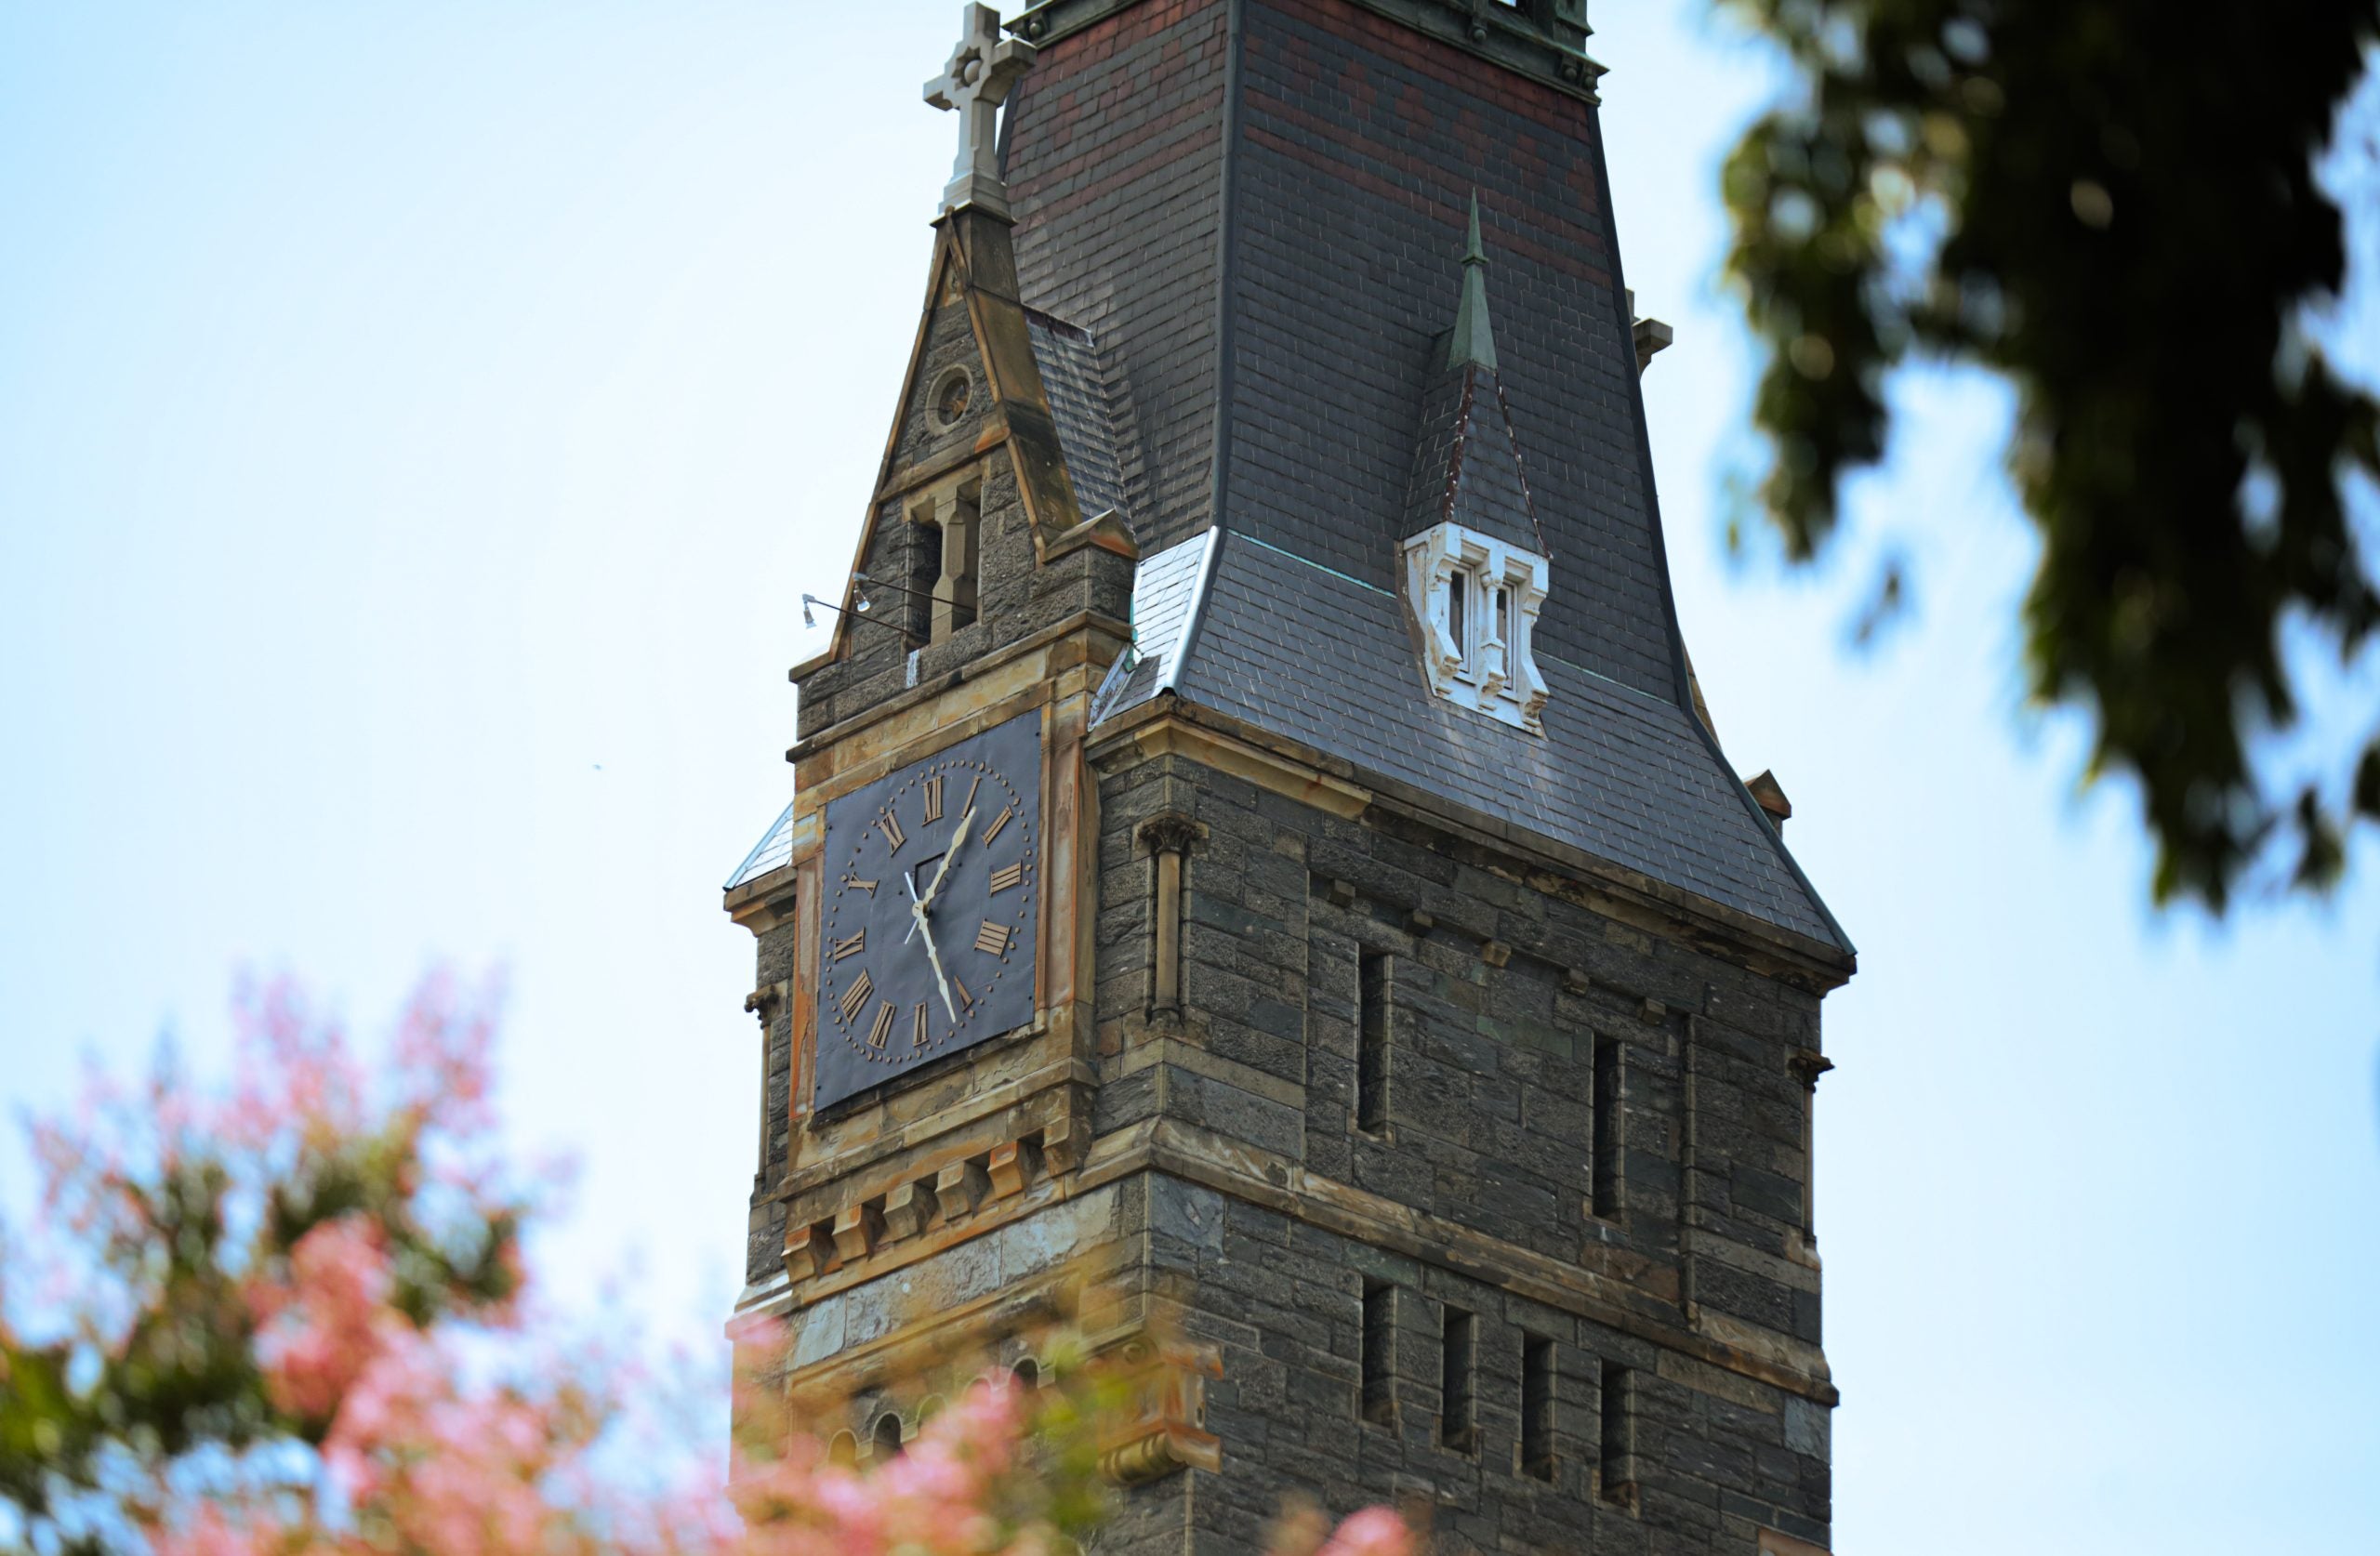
(1475, 600)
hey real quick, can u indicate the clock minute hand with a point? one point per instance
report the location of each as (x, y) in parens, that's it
(934, 960)
(957, 841)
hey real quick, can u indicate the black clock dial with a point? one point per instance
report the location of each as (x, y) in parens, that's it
(927, 909)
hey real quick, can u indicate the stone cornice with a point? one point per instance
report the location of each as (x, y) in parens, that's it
(760, 903)
(1168, 723)
(1285, 1185)
(1281, 1184)
(1552, 51)
(1089, 622)
(908, 1144)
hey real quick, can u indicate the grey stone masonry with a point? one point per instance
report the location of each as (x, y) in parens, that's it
(1416, 1106)
(1509, 1005)
(1591, 1152)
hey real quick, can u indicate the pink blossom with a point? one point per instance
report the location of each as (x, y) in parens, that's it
(451, 1413)
(321, 1329)
(208, 1532)
(1373, 1532)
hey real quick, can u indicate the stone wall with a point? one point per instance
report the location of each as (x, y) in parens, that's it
(1483, 1177)
(1711, 1456)
(1591, 1146)
(764, 1233)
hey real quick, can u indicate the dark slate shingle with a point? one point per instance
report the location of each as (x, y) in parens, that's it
(1083, 408)
(1164, 591)
(1326, 660)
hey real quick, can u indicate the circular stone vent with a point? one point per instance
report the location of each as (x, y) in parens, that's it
(953, 392)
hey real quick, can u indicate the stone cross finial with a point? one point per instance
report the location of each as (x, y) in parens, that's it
(982, 69)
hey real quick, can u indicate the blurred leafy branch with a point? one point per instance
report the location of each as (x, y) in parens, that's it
(2114, 205)
(293, 1317)
(220, 1268)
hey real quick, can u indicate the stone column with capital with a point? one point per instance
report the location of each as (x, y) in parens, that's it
(1168, 839)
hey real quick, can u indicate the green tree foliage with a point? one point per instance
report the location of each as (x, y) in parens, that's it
(2113, 203)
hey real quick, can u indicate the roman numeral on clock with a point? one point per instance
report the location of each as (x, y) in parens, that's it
(1008, 876)
(964, 997)
(857, 884)
(856, 995)
(890, 825)
(998, 822)
(933, 798)
(851, 946)
(918, 1033)
(884, 1027)
(992, 938)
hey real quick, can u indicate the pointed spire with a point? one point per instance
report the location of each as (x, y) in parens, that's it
(1473, 343)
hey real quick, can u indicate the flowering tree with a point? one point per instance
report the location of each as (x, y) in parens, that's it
(294, 1317)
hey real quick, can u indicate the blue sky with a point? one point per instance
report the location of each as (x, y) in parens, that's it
(417, 422)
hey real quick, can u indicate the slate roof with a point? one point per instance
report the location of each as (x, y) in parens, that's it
(1243, 626)
(1084, 410)
(1292, 646)
(1467, 465)
(1239, 623)
(772, 852)
(1165, 593)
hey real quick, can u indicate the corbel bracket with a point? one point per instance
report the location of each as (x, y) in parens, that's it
(1164, 1423)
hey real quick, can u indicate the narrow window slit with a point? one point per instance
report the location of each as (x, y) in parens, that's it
(1618, 1407)
(1378, 1400)
(925, 576)
(1372, 988)
(1537, 1407)
(1458, 1368)
(1608, 1142)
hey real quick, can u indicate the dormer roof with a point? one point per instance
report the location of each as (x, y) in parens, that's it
(1467, 466)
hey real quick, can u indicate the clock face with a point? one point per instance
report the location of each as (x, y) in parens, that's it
(927, 905)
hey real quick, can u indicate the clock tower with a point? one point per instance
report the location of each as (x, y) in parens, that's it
(1261, 887)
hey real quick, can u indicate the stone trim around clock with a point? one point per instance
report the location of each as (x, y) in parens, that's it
(1476, 601)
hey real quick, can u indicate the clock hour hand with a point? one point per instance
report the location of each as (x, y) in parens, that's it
(934, 959)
